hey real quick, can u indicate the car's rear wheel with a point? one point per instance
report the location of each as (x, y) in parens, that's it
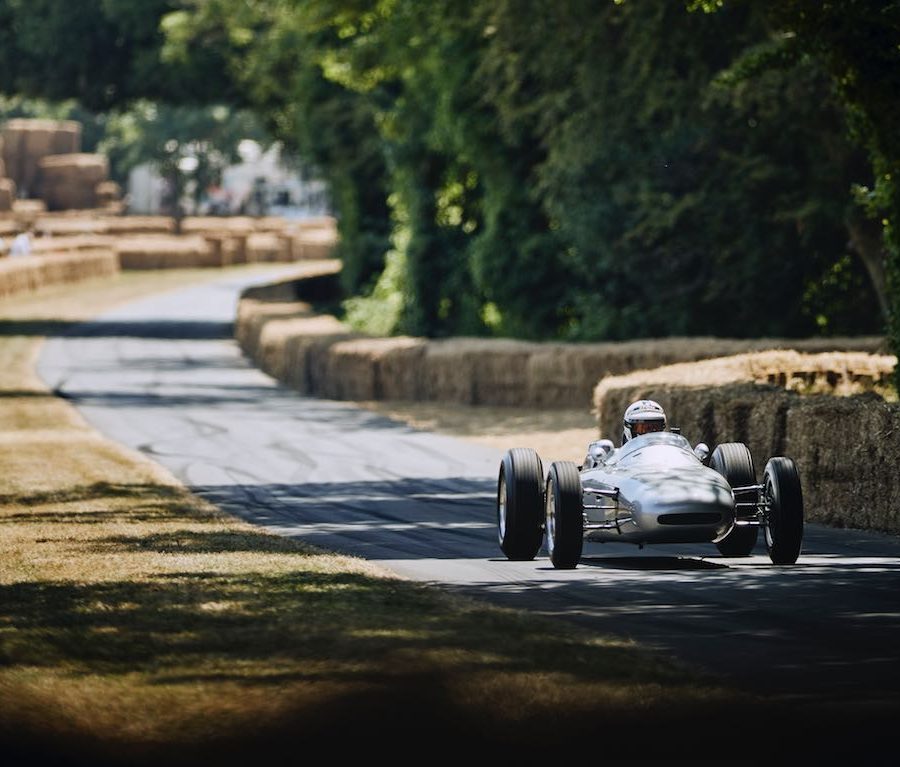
(520, 504)
(564, 515)
(734, 462)
(784, 518)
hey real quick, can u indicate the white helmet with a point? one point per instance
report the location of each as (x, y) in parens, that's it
(643, 417)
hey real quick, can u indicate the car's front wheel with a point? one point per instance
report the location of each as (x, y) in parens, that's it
(784, 515)
(564, 515)
(734, 462)
(520, 501)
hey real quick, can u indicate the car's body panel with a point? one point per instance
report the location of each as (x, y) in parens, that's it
(655, 490)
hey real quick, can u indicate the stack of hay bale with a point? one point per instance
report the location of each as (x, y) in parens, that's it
(43, 158)
(7, 185)
(27, 142)
(70, 181)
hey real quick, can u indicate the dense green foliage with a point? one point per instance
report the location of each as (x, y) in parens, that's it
(575, 169)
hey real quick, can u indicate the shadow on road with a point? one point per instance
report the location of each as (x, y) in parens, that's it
(175, 330)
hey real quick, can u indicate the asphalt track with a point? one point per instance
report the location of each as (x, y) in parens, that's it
(163, 376)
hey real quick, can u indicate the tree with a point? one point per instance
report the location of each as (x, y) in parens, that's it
(174, 138)
(858, 43)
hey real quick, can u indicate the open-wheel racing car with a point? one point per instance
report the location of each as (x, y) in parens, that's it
(655, 488)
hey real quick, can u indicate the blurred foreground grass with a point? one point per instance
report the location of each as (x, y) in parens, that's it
(139, 624)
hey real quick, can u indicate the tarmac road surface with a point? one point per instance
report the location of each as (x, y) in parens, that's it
(163, 376)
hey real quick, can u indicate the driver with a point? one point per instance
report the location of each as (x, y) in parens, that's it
(643, 417)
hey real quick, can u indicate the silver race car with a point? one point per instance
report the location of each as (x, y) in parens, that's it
(656, 488)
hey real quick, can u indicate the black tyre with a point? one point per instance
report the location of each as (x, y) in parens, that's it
(520, 504)
(734, 462)
(564, 515)
(784, 528)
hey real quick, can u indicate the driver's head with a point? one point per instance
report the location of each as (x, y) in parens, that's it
(642, 417)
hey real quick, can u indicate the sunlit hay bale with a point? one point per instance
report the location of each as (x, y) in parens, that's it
(314, 244)
(19, 275)
(399, 368)
(286, 244)
(500, 369)
(263, 334)
(26, 142)
(349, 371)
(59, 225)
(356, 369)
(447, 374)
(27, 212)
(273, 224)
(847, 452)
(243, 225)
(163, 252)
(308, 342)
(264, 247)
(67, 244)
(69, 181)
(777, 369)
(315, 223)
(107, 192)
(566, 374)
(236, 248)
(126, 225)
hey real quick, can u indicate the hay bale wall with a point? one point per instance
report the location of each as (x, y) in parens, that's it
(507, 372)
(165, 252)
(70, 181)
(845, 447)
(19, 275)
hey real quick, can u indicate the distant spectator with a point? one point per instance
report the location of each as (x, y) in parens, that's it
(21, 245)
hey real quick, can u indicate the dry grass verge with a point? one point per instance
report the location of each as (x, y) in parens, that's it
(140, 625)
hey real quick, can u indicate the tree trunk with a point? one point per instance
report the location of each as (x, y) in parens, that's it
(867, 241)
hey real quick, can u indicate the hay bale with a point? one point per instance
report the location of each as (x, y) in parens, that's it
(264, 247)
(69, 226)
(7, 194)
(361, 368)
(70, 244)
(475, 370)
(840, 373)
(399, 368)
(125, 225)
(252, 317)
(844, 446)
(30, 273)
(164, 252)
(26, 142)
(847, 451)
(314, 244)
(69, 181)
(107, 192)
(242, 225)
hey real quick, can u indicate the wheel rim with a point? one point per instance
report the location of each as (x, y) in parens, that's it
(501, 509)
(551, 522)
(770, 515)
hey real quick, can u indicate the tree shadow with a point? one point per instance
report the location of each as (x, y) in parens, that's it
(173, 330)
